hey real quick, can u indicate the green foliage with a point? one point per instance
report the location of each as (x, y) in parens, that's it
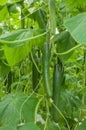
(33, 35)
(4, 12)
(82, 126)
(64, 42)
(8, 128)
(19, 43)
(2, 2)
(4, 69)
(14, 108)
(76, 26)
(29, 126)
(77, 3)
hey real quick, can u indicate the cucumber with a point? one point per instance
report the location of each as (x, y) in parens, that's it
(35, 74)
(58, 77)
(46, 64)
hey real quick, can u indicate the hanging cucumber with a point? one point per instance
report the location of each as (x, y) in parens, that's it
(46, 75)
(58, 77)
(8, 81)
(35, 73)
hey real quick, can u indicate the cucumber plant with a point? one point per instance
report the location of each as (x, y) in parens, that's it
(57, 29)
(46, 64)
(58, 77)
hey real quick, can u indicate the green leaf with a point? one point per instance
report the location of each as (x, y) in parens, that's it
(39, 14)
(16, 38)
(4, 69)
(22, 37)
(14, 1)
(52, 126)
(30, 2)
(15, 55)
(82, 126)
(2, 56)
(29, 107)
(77, 3)
(64, 42)
(3, 12)
(2, 2)
(8, 128)
(18, 44)
(76, 27)
(13, 8)
(13, 107)
(1, 30)
(29, 126)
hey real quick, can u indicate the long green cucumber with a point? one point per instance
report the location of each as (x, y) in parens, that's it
(35, 74)
(58, 77)
(46, 64)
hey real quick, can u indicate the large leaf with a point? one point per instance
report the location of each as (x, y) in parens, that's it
(12, 110)
(22, 37)
(29, 109)
(29, 126)
(82, 126)
(15, 55)
(3, 12)
(76, 26)
(39, 14)
(52, 126)
(2, 2)
(64, 42)
(8, 128)
(19, 43)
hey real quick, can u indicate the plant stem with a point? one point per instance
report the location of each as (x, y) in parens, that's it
(84, 73)
(58, 110)
(85, 65)
(33, 60)
(22, 16)
(8, 81)
(70, 50)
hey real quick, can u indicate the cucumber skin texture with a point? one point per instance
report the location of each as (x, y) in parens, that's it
(46, 75)
(58, 77)
(35, 74)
